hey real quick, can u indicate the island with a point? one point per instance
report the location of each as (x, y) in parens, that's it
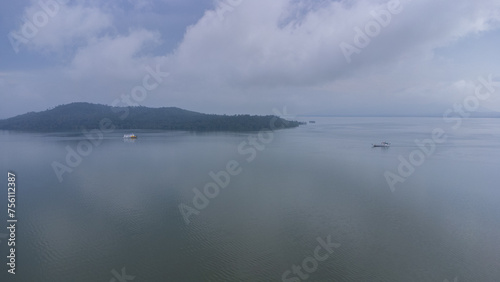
(85, 116)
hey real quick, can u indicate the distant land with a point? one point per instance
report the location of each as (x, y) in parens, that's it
(471, 115)
(481, 112)
(79, 116)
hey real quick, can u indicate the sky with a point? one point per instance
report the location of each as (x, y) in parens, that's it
(314, 57)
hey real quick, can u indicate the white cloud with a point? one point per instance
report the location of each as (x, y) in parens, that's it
(114, 57)
(260, 54)
(292, 46)
(253, 45)
(51, 26)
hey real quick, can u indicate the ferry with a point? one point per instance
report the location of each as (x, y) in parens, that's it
(130, 136)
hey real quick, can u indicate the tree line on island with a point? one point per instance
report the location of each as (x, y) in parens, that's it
(78, 116)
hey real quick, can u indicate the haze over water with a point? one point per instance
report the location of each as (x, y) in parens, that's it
(120, 207)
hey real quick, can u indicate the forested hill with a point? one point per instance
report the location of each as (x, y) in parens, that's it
(78, 116)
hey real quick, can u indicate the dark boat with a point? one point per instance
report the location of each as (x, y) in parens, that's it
(383, 145)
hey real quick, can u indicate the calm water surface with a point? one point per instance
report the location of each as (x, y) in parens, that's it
(119, 207)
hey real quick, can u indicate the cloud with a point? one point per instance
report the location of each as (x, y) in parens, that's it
(290, 42)
(249, 56)
(114, 56)
(261, 50)
(52, 26)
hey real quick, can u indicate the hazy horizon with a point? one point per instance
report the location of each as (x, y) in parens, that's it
(481, 113)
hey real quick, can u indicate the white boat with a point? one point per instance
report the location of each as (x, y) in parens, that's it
(383, 145)
(130, 136)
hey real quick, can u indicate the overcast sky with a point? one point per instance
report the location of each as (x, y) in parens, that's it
(346, 57)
